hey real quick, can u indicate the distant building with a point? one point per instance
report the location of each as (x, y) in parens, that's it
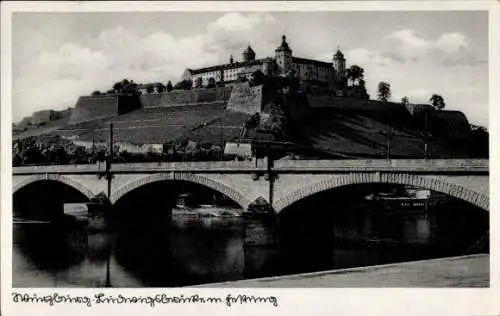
(147, 88)
(239, 150)
(283, 63)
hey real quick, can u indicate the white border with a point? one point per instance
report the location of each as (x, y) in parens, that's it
(291, 301)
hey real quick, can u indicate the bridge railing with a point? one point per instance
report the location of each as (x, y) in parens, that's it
(412, 165)
(94, 168)
(148, 167)
(192, 166)
(379, 165)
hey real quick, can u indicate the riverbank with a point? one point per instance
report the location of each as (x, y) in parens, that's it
(463, 271)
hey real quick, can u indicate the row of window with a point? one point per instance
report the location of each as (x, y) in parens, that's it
(320, 77)
(311, 68)
(233, 75)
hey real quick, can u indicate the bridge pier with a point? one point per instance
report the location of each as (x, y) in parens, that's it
(99, 213)
(260, 239)
(259, 222)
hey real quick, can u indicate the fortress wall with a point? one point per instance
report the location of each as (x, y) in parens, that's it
(127, 103)
(245, 99)
(327, 101)
(451, 124)
(44, 116)
(416, 109)
(93, 107)
(185, 97)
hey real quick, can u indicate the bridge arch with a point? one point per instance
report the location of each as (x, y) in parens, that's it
(232, 193)
(434, 183)
(55, 177)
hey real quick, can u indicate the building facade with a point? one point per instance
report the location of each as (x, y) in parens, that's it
(283, 63)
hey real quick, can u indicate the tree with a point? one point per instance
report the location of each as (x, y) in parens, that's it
(362, 83)
(211, 82)
(131, 88)
(355, 73)
(96, 93)
(257, 78)
(437, 101)
(183, 85)
(480, 142)
(405, 100)
(292, 80)
(198, 83)
(160, 88)
(125, 86)
(169, 86)
(253, 121)
(149, 89)
(384, 91)
(118, 86)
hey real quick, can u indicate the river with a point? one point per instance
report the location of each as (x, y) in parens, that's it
(188, 251)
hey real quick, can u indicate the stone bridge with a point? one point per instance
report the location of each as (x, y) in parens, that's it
(281, 183)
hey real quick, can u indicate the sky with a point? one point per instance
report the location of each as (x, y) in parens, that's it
(57, 57)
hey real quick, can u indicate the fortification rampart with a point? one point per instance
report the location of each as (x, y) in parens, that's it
(245, 99)
(417, 109)
(93, 107)
(328, 101)
(42, 117)
(185, 97)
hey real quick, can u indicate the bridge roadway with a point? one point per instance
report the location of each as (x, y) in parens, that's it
(281, 183)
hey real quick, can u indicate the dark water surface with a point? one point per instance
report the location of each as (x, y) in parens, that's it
(185, 251)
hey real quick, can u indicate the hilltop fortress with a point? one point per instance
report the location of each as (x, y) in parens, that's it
(283, 63)
(300, 102)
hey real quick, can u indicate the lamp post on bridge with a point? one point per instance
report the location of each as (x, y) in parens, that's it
(389, 134)
(109, 160)
(108, 178)
(426, 136)
(222, 142)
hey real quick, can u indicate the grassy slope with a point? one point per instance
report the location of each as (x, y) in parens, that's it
(362, 133)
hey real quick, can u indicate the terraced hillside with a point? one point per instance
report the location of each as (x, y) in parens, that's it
(45, 129)
(200, 123)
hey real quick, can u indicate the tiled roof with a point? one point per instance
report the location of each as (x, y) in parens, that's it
(284, 45)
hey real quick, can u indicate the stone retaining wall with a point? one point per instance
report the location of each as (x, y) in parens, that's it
(93, 107)
(245, 99)
(185, 97)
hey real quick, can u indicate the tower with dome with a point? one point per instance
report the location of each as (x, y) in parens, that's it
(283, 63)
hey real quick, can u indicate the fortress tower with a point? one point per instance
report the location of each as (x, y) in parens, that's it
(339, 66)
(248, 54)
(283, 56)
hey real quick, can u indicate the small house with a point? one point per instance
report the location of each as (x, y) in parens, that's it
(239, 151)
(148, 88)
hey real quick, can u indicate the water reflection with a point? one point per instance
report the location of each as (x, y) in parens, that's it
(184, 250)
